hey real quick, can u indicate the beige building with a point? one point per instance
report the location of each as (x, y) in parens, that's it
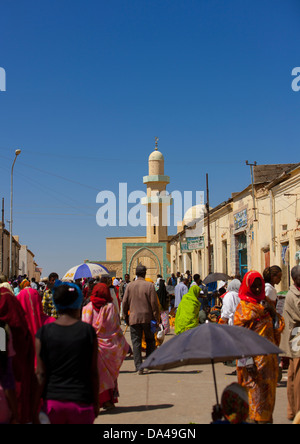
(22, 258)
(279, 221)
(249, 231)
(257, 227)
(27, 264)
(4, 252)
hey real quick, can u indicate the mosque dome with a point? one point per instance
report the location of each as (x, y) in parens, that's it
(156, 155)
(156, 162)
(194, 213)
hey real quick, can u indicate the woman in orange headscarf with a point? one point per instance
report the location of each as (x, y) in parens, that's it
(25, 283)
(258, 375)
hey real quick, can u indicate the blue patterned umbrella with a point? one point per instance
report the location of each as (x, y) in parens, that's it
(85, 271)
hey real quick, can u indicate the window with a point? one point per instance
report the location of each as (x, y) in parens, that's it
(225, 256)
(285, 265)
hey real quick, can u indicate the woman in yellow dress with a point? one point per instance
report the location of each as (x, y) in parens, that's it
(259, 375)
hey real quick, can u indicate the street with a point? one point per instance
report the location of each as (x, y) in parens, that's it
(180, 396)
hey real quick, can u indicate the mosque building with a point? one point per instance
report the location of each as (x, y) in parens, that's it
(255, 228)
(123, 254)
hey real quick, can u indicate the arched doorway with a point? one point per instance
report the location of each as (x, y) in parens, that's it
(145, 257)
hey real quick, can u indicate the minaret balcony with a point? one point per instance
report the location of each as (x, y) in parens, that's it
(156, 178)
(165, 200)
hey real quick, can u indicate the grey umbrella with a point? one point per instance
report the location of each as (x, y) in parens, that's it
(207, 344)
(215, 277)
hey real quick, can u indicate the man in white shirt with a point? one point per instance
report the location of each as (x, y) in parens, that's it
(180, 290)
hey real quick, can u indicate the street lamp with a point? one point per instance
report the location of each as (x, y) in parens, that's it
(17, 152)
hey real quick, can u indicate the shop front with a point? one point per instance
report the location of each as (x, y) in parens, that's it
(240, 226)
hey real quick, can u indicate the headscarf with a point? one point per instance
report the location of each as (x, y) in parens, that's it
(25, 283)
(100, 296)
(32, 305)
(221, 285)
(235, 404)
(194, 291)
(187, 314)
(11, 311)
(234, 286)
(76, 304)
(7, 286)
(246, 293)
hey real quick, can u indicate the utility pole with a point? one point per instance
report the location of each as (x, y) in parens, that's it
(208, 226)
(17, 153)
(252, 180)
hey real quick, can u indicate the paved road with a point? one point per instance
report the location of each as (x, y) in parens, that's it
(180, 396)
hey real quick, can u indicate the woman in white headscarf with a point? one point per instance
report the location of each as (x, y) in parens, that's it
(230, 302)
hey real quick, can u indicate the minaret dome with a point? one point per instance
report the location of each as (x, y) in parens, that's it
(156, 161)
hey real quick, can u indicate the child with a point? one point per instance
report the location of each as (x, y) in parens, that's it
(234, 406)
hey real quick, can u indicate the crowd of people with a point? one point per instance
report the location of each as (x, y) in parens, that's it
(64, 341)
(253, 303)
(58, 339)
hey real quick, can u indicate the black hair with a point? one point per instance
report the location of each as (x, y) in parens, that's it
(53, 275)
(270, 272)
(295, 272)
(62, 296)
(141, 270)
(222, 291)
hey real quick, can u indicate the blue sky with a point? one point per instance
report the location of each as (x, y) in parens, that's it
(91, 83)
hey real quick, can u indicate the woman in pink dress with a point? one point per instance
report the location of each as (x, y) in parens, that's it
(12, 314)
(32, 305)
(101, 313)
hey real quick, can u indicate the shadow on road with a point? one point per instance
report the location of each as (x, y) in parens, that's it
(136, 408)
(174, 372)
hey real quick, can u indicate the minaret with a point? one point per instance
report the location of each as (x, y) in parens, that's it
(157, 202)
